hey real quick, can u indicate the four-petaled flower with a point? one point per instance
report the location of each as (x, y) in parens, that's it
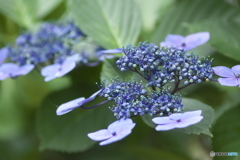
(69, 106)
(229, 77)
(58, 70)
(115, 132)
(11, 70)
(187, 43)
(177, 120)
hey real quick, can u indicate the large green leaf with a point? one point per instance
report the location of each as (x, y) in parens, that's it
(68, 133)
(224, 34)
(192, 105)
(110, 23)
(27, 12)
(190, 12)
(226, 133)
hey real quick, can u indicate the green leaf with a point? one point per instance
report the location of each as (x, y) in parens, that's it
(190, 12)
(111, 23)
(192, 105)
(68, 133)
(207, 113)
(27, 12)
(152, 10)
(224, 34)
(226, 132)
(110, 71)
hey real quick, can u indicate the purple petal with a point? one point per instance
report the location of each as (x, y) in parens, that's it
(115, 138)
(196, 39)
(176, 116)
(228, 81)
(100, 135)
(188, 122)
(74, 58)
(121, 126)
(3, 54)
(166, 127)
(174, 39)
(23, 70)
(3, 76)
(162, 120)
(223, 71)
(191, 114)
(66, 67)
(8, 68)
(236, 69)
(50, 70)
(116, 50)
(69, 106)
(165, 44)
(92, 97)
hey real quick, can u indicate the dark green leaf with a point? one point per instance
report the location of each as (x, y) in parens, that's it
(226, 132)
(68, 133)
(190, 12)
(224, 34)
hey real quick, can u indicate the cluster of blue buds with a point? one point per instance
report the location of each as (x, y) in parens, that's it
(51, 41)
(132, 99)
(161, 66)
(54, 48)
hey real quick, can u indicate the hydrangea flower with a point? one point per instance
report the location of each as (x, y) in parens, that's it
(115, 132)
(187, 43)
(3, 54)
(69, 106)
(177, 120)
(229, 77)
(59, 69)
(11, 70)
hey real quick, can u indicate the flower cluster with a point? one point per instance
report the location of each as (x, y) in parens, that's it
(56, 49)
(158, 66)
(161, 66)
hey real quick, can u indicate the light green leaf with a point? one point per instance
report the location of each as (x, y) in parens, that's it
(190, 12)
(27, 12)
(152, 10)
(224, 34)
(110, 71)
(111, 23)
(226, 132)
(192, 105)
(68, 133)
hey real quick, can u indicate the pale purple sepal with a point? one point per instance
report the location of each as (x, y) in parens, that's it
(105, 53)
(58, 70)
(229, 77)
(92, 97)
(3, 54)
(187, 43)
(11, 70)
(69, 106)
(115, 132)
(177, 120)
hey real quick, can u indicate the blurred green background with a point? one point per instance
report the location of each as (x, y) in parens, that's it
(29, 127)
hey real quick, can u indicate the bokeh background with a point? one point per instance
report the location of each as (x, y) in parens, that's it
(29, 127)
